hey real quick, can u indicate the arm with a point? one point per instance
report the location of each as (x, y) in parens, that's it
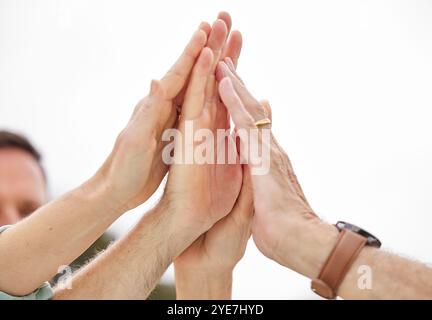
(58, 232)
(55, 235)
(286, 229)
(391, 276)
(205, 269)
(131, 268)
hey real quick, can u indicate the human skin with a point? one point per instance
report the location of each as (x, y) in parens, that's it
(204, 269)
(287, 230)
(60, 231)
(22, 185)
(131, 268)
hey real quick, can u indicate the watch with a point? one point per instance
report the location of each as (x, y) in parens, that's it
(350, 242)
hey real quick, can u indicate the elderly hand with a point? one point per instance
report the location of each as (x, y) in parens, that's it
(283, 220)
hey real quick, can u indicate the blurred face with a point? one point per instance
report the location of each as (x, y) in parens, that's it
(22, 185)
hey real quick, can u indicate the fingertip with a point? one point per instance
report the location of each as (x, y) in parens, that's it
(237, 35)
(201, 37)
(226, 17)
(219, 27)
(220, 74)
(206, 27)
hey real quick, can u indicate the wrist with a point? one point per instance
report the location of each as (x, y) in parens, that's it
(178, 232)
(186, 220)
(203, 283)
(98, 192)
(305, 245)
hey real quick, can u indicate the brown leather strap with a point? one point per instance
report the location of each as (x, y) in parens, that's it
(347, 248)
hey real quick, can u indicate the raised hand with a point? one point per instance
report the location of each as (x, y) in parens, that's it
(134, 169)
(205, 193)
(282, 213)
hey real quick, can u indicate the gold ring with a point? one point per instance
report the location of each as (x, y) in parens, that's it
(262, 122)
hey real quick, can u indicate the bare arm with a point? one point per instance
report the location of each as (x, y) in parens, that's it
(53, 236)
(60, 231)
(286, 229)
(131, 268)
(387, 276)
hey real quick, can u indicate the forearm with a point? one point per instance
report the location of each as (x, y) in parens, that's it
(375, 274)
(54, 235)
(392, 277)
(131, 268)
(203, 284)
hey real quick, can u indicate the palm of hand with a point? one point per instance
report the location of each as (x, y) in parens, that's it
(211, 249)
(206, 190)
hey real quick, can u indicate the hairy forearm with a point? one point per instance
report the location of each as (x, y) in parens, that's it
(391, 277)
(131, 268)
(193, 284)
(375, 274)
(53, 236)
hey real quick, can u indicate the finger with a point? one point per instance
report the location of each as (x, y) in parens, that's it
(233, 47)
(252, 105)
(217, 39)
(233, 103)
(206, 27)
(177, 76)
(245, 198)
(225, 17)
(232, 68)
(195, 93)
(215, 42)
(267, 108)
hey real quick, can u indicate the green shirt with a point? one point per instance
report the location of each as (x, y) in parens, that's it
(44, 292)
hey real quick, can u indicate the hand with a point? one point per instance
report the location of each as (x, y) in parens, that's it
(205, 193)
(204, 269)
(283, 220)
(134, 169)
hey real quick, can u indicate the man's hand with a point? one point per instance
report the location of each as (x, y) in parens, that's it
(205, 193)
(204, 270)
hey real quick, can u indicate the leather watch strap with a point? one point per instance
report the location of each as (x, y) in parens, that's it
(347, 248)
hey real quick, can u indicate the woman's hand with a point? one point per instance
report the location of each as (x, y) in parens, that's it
(134, 169)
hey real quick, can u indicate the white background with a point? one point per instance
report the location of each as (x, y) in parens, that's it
(349, 81)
